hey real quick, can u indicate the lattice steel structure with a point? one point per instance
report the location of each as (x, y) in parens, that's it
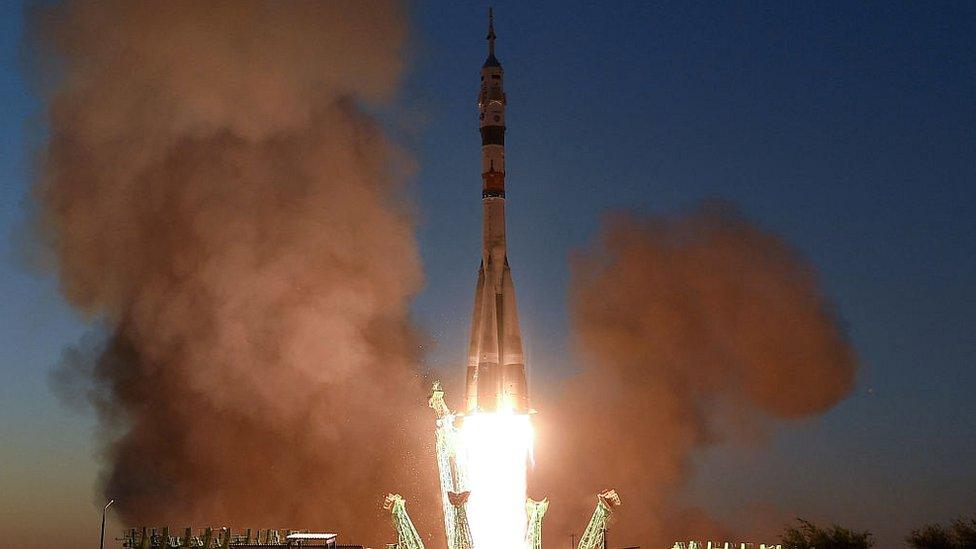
(451, 473)
(407, 536)
(462, 531)
(594, 537)
(535, 510)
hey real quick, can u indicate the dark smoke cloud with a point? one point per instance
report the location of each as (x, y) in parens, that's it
(693, 329)
(214, 192)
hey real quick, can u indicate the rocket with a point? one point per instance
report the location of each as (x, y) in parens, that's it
(496, 364)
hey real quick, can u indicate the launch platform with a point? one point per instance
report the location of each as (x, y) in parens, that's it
(224, 538)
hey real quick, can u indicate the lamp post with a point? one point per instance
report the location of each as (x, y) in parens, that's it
(101, 539)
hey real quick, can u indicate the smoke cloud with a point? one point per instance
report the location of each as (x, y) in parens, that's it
(693, 329)
(215, 193)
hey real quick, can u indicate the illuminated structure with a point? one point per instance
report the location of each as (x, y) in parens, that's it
(407, 536)
(535, 510)
(462, 531)
(451, 472)
(595, 535)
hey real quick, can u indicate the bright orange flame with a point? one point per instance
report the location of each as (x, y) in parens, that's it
(497, 448)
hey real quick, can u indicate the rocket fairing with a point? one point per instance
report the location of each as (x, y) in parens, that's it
(496, 364)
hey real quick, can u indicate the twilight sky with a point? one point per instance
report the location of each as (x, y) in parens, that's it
(848, 129)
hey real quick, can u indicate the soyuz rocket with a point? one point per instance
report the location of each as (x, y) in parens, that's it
(496, 364)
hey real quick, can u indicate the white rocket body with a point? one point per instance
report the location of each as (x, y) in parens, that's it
(496, 365)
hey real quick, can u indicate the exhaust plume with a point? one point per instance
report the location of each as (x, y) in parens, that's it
(692, 329)
(215, 194)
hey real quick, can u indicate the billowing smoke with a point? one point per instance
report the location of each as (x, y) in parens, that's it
(216, 195)
(693, 329)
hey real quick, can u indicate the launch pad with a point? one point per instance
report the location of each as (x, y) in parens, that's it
(453, 451)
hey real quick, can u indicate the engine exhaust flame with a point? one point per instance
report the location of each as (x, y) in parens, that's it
(497, 449)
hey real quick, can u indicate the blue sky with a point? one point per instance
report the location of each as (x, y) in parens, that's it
(850, 129)
(47, 469)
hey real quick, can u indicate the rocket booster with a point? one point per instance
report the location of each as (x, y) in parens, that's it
(496, 365)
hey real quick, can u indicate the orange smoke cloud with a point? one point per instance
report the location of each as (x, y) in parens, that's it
(691, 328)
(214, 193)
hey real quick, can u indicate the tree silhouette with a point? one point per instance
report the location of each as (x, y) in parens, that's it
(810, 536)
(961, 535)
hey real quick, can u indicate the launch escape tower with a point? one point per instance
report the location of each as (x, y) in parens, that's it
(496, 365)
